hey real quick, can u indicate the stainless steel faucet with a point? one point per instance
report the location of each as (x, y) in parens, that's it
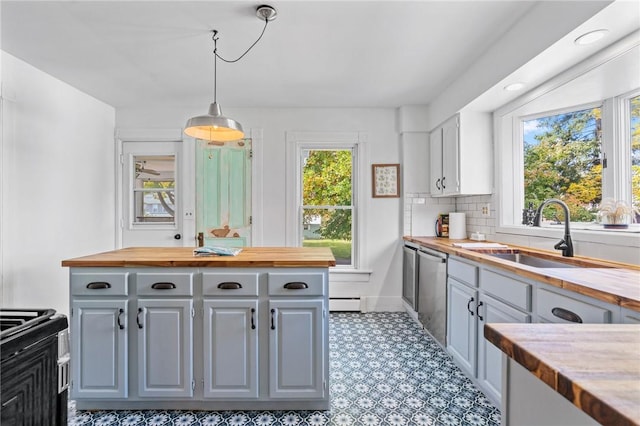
(565, 244)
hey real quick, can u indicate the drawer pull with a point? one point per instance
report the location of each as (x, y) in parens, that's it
(163, 286)
(296, 285)
(120, 312)
(253, 319)
(478, 311)
(98, 285)
(230, 286)
(566, 315)
(469, 304)
(273, 324)
(138, 317)
(438, 184)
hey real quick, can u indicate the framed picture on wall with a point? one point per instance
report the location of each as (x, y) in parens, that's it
(385, 180)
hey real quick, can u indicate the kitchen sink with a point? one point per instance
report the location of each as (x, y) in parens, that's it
(535, 261)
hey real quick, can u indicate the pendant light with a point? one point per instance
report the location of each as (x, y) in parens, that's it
(214, 126)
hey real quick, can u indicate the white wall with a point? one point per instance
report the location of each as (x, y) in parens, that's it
(381, 290)
(57, 183)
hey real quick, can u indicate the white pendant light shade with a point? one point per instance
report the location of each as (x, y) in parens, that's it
(214, 126)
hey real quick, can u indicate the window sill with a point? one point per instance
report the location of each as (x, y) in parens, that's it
(353, 275)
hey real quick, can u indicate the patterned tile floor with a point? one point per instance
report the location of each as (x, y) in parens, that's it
(385, 370)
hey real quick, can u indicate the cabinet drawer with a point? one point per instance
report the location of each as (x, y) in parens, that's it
(508, 289)
(99, 284)
(240, 284)
(549, 301)
(164, 284)
(296, 284)
(463, 272)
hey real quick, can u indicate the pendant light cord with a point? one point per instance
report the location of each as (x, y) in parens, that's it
(230, 61)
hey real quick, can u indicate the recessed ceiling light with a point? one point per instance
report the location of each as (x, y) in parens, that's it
(590, 37)
(514, 87)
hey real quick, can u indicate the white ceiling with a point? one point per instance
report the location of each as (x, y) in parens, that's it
(315, 54)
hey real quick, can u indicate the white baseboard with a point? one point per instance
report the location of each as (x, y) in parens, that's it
(382, 304)
(345, 304)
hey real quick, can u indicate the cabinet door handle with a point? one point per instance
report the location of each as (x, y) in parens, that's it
(273, 323)
(163, 286)
(469, 304)
(140, 310)
(296, 285)
(253, 319)
(478, 311)
(438, 184)
(120, 325)
(230, 286)
(443, 178)
(98, 285)
(566, 315)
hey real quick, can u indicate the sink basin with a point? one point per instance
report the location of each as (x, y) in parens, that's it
(535, 261)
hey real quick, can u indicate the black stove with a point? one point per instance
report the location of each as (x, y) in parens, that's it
(34, 369)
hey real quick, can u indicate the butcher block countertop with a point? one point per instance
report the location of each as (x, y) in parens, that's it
(612, 282)
(249, 257)
(594, 366)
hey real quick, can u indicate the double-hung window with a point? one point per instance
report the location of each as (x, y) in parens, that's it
(324, 194)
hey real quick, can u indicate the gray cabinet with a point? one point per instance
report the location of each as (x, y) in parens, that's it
(629, 316)
(189, 338)
(165, 342)
(461, 323)
(230, 342)
(460, 152)
(490, 310)
(555, 305)
(99, 349)
(296, 358)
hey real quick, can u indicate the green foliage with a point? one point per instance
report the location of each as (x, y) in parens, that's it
(327, 182)
(341, 249)
(564, 163)
(635, 151)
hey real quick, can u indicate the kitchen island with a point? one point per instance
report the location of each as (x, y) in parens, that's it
(569, 374)
(160, 328)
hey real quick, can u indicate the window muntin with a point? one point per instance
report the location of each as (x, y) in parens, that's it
(562, 159)
(327, 198)
(153, 189)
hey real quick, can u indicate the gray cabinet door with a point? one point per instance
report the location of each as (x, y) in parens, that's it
(489, 356)
(165, 341)
(230, 348)
(99, 349)
(461, 324)
(296, 346)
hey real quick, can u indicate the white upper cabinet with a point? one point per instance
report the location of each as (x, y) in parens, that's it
(460, 155)
(415, 170)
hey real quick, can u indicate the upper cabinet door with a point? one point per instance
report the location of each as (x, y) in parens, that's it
(450, 156)
(435, 161)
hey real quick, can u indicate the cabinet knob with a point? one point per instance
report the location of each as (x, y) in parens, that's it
(120, 325)
(273, 323)
(177, 236)
(140, 310)
(478, 311)
(438, 184)
(443, 178)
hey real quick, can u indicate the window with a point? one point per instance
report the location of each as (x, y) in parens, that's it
(154, 189)
(327, 201)
(324, 195)
(634, 144)
(562, 159)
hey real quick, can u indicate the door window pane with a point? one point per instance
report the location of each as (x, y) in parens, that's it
(562, 159)
(154, 189)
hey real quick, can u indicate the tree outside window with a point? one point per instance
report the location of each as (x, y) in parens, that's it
(562, 159)
(634, 120)
(327, 198)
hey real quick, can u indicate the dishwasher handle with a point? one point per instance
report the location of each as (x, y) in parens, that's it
(433, 256)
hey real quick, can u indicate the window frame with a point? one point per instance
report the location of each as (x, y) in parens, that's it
(567, 91)
(297, 142)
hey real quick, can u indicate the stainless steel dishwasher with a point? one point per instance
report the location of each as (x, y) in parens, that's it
(410, 275)
(432, 292)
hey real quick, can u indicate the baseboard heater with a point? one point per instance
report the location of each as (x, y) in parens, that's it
(344, 304)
